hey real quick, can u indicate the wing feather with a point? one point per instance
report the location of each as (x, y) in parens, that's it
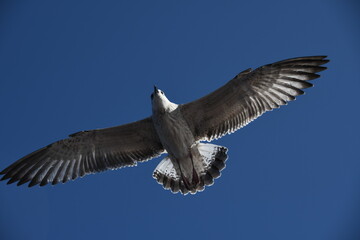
(249, 94)
(87, 152)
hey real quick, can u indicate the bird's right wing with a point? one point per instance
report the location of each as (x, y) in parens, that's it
(250, 94)
(87, 152)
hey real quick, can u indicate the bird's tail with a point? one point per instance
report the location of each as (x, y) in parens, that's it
(213, 161)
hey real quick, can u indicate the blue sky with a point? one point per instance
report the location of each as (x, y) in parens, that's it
(68, 66)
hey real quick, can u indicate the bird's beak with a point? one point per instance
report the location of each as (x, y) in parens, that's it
(155, 89)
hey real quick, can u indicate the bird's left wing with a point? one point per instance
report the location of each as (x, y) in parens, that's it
(87, 152)
(249, 95)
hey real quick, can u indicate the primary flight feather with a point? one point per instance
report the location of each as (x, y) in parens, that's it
(177, 130)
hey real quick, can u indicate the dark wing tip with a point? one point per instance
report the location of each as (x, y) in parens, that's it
(12, 180)
(43, 182)
(33, 183)
(4, 177)
(307, 85)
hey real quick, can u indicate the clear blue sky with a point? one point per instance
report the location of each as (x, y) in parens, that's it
(68, 66)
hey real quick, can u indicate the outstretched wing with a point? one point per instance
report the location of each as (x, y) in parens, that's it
(87, 152)
(249, 95)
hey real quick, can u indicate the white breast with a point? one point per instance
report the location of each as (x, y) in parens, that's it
(174, 133)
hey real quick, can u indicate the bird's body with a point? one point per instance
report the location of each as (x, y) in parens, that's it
(179, 142)
(173, 131)
(176, 129)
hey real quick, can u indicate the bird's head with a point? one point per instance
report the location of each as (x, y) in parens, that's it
(160, 103)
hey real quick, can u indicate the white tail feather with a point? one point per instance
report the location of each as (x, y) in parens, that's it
(213, 162)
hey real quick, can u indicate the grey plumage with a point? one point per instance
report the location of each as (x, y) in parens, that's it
(87, 152)
(250, 94)
(175, 129)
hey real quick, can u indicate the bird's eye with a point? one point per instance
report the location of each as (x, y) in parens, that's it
(162, 92)
(152, 96)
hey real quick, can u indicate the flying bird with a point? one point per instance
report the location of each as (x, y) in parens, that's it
(176, 129)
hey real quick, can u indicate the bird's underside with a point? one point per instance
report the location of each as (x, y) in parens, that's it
(229, 108)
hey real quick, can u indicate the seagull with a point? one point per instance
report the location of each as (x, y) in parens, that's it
(180, 130)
